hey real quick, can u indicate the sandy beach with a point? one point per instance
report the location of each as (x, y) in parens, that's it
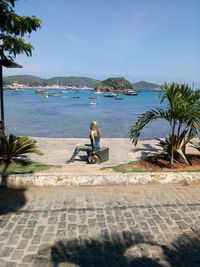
(57, 150)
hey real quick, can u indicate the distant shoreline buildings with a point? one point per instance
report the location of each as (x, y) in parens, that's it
(15, 86)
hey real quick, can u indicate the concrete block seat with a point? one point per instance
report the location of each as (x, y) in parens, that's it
(98, 156)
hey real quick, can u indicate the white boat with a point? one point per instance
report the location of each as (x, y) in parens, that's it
(97, 92)
(92, 103)
(110, 95)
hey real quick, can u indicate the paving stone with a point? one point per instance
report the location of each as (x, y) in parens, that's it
(72, 227)
(62, 225)
(144, 226)
(175, 216)
(32, 249)
(130, 222)
(18, 230)
(92, 222)
(52, 220)
(103, 227)
(31, 223)
(23, 220)
(10, 264)
(100, 217)
(182, 224)
(3, 223)
(13, 240)
(4, 236)
(40, 229)
(71, 218)
(82, 219)
(17, 254)
(105, 234)
(6, 252)
(28, 233)
(22, 244)
(29, 258)
(83, 229)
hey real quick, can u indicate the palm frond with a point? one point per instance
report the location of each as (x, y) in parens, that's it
(12, 146)
(143, 120)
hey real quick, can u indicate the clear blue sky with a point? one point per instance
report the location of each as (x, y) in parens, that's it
(151, 40)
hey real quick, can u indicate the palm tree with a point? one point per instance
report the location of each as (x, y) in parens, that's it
(182, 113)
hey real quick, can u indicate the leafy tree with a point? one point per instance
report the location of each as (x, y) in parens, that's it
(12, 30)
(183, 115)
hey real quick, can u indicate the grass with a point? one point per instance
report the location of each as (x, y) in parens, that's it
(25, 166)
(124, 168)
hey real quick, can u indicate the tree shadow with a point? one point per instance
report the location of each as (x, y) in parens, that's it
(4, 174)
(11, 200)
(146, 147)
(146, 151)
(122, 249)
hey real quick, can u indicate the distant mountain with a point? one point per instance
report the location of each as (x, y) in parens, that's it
(71, 81)
(37, 81)
(24, 79)
(142, 85)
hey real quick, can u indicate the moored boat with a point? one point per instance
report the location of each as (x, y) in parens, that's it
(94, 97)
(92, 103)
(130, 92)
(97, 92)
(110, 95)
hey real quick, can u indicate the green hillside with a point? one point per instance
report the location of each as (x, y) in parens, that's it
(114, 84)
(73, 81)
(106, 85)
(24, 79)
(37, 81)
(145, 86)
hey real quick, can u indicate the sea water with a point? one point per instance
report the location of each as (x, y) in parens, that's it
(69, 115)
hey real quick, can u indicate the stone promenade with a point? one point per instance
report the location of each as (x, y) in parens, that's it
(141, 225)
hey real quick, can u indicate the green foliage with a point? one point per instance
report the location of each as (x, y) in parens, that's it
(178, 146)
(12, 147)
(25, 166)
(13, 29)
(182, 113)
(114, 84)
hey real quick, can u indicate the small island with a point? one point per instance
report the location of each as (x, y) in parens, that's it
(114, 85)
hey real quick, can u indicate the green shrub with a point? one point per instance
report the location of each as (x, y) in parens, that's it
(12, 147)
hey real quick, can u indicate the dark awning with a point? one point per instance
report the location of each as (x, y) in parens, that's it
(9, 63)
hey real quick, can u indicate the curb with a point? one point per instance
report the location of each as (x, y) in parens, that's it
(80, 179)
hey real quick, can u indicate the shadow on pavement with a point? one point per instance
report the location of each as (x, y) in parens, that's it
(11, 200)
(121, 249)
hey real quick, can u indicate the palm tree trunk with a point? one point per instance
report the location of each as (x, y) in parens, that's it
(172, 145)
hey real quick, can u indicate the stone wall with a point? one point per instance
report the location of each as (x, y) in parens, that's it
(71, 179)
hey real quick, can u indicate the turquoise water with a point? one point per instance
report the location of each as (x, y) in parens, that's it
(29, 114)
